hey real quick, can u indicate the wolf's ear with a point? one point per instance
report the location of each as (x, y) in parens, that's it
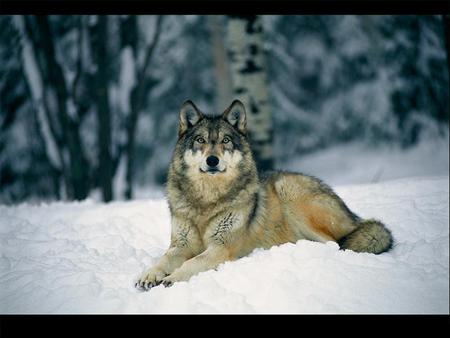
(190, 115)
(236, 116)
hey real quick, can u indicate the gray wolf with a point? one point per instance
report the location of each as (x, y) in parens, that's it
(222, 210)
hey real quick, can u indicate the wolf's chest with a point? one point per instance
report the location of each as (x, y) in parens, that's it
(214, 224)
(201, 221)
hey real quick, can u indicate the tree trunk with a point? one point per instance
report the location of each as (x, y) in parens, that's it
(37, 89)
(221, 65)
(446, 22)
(136, 105)
(103, 111)
(130, 145)
(55, 173)
(249, 79)
(57, 97)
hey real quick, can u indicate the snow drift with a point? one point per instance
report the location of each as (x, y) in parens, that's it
(84, 258)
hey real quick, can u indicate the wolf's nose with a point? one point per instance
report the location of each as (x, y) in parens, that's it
(212, 161)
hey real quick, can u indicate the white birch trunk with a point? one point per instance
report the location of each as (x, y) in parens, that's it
(222, 75)
(249, 80)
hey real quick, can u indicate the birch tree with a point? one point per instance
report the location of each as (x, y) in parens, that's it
(221, 64)
(249, 81)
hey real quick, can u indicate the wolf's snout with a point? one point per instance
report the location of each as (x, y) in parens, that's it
(212, 161)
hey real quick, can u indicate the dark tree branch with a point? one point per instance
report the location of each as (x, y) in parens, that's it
(103, 110)
(148, 56)
(56, 135)
(39, 57)
(79, 65)
(446, 22)
(136, 105)
(78, 165)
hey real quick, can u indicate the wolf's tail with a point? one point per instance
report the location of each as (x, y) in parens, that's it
(370, 236)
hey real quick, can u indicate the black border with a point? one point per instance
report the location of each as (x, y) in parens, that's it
(231, 326)
(224, 7)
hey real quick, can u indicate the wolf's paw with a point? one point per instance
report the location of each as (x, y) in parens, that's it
(168, 281)
(174, 277)
(150, 279)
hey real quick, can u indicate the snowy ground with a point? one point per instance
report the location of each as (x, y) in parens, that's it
(84, 257)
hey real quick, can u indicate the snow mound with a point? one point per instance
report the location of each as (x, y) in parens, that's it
(84, 258)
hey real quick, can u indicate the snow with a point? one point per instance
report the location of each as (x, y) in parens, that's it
(84, 258)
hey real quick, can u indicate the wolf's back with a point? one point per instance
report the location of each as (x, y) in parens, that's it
(370, 236)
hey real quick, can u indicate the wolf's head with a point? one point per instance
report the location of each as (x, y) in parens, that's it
(214, 145)
(212, 157)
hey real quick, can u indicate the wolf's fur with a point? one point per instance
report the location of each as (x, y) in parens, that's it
(225, 214)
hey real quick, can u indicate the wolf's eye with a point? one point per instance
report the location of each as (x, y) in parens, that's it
(200, 140)
(226, 140)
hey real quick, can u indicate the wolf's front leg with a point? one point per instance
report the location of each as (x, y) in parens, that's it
(185, 244)
(207, 260)
(224, 233)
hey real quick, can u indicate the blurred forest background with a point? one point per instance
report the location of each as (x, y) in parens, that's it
(90, 103)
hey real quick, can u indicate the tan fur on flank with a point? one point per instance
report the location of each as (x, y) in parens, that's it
(223, 213)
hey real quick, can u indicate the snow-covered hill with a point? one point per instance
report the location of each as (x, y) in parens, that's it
(84, 258)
